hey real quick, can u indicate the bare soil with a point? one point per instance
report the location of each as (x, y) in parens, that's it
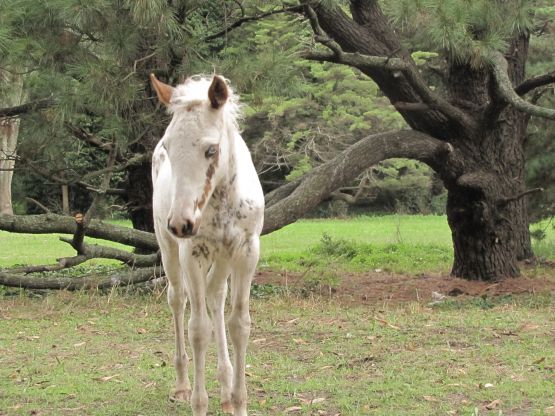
(380, 286)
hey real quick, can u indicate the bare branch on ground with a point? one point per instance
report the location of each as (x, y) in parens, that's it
(93, 281)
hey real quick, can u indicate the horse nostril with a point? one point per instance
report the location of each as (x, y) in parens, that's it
(172, 229)
(187, 228)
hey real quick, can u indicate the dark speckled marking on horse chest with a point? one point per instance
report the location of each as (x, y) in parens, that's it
(200, 249)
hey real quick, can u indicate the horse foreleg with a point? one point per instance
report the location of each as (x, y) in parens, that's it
(199, 335)
(216, 294)
(177, 300)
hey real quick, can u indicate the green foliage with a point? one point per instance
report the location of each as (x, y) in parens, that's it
(302, 166)
(336, 248)
(468, 30)
(421, 57)
(313, 110)
(405, 186)
(540, 137)
(93, 58)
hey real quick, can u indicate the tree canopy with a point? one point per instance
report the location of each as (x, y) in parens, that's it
(453, 84)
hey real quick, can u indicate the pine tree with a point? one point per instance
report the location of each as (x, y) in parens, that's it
(473, 123)
(94, 58)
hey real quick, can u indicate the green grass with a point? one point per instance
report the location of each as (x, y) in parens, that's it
(31, 249)
(92, 354)
(397, 243)
(89, 353)
(386, 229)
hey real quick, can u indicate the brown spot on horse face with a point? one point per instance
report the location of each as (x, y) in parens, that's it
(190, 107)
(207, 187)
(208, 182)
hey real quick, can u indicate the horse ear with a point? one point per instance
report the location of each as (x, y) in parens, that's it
(218, 92)
(164, 91)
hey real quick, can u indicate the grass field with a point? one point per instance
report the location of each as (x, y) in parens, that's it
(93, 353)
(397, 243)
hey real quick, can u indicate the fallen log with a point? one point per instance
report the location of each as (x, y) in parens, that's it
(54, 223)
(121, 277)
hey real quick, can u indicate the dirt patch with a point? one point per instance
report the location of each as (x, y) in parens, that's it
(375, 287)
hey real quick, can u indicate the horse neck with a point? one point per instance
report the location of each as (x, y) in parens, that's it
(228, 179)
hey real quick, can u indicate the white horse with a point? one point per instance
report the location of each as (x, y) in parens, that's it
(208, 213)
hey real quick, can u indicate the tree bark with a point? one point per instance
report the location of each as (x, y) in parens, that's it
(490, 235)
(117, 278)
(139, 195)
(53, 223)
(9, 131)
(65, 199)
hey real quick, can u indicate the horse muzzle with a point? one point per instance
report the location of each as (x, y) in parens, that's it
(184, 228)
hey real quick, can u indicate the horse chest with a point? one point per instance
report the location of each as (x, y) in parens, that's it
(225, 227)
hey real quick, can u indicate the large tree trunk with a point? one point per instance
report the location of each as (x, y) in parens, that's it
(486, 209)
(486, 214)
(139, 197)
(9, 131)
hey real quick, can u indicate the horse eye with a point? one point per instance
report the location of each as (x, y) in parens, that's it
(211, 151)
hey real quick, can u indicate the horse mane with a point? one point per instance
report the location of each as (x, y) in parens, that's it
(194, 92)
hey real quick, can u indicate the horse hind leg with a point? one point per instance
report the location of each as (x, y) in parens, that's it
(216, 294)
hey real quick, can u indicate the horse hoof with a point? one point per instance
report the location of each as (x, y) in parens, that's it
(227, 407)
(180, 395)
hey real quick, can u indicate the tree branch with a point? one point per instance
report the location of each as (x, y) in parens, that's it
(506, 91)
(88, 138)
(95, 251)
(40, 170)
(504, 201)
(399, 66)
(135, 160)
(320, 35)
(247, 19)
(368, 31)
(38, 204)
(279, 193)
(396, 66)
(104, 184)
(536, 82)
(63, 263)
(320, 182)
(27, 107)
(77, 242)
(348, 198)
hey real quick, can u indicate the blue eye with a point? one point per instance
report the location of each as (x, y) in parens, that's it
(211, 151)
